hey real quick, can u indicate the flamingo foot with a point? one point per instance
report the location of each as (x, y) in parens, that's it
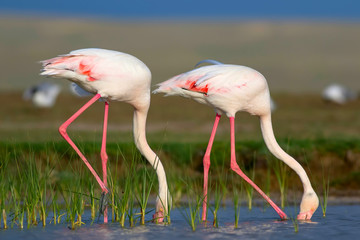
(158, 217)
(282, 215)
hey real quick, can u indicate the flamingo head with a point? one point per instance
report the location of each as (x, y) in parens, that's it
(308, 206)
(162, 207)
(158, 217)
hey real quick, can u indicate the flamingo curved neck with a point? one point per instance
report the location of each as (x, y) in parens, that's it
(277, 151)
(139, 131)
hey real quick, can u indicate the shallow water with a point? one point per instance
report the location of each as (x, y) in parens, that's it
(341, 221)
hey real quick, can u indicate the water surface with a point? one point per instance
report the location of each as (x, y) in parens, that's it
(341, 221)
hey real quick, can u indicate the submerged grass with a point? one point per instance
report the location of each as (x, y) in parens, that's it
(217, 200)
(294, 219)
(295, 224)
(248, 188)
(192, 212)
(326, 189)
(143, 186)
(4, 189)
(325, 183)
(237, 200)
(281, 172)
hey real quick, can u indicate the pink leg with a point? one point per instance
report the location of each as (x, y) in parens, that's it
(235, 167)
(206, 162)
(104, 156)
(64, 134)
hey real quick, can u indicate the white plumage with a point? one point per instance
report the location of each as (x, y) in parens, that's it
(118, 76)
(114, 75)
(229, 89)
(226, 88)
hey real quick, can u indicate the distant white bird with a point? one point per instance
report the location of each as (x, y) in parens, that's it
(339, 94)
(273, 105)
(229, 89)
(42, 95)
(112, 76)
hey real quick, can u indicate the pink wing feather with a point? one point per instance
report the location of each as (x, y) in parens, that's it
(80, 64)
(193, 81)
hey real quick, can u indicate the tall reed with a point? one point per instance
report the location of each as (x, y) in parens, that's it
(42, 203)
(268, 178)
(325, 183)
(294, 219)
(217, 200)
(324, 202)
(125, 202)
(248, 188)
(15, 202)
(33, 182)
(295, 223)
(73, 195)
(72, 210)
(92, 200)
(222, 173)
(236, 201)
(281, 173)
(326, 189)
(144, 183)
(55, 205)
(75, 208)
(4, 188)
(112, 175)
(130, 211)
(192, 212)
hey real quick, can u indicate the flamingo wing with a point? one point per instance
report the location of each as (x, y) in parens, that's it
(197, 81)
(72, 67)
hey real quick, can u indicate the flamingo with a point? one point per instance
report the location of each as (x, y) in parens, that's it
(111, 76)
(229, 89)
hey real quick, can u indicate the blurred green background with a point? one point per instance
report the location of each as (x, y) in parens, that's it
(298, 58)
(301, 48)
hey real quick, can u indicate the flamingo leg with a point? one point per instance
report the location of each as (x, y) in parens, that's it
(235, 167)
(206, 162)
(62, 131)
(104, 157)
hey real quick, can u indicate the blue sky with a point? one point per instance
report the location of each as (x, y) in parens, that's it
(224, 9)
